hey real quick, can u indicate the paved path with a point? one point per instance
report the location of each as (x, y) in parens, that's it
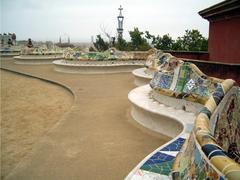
(96, 139)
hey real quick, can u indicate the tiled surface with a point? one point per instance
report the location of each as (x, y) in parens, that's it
(175, 145)
(188, 81)
(98, 63)
(193, 165)
(160, 163)
(227, 129)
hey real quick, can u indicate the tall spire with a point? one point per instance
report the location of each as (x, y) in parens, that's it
(120, 22)
(68, 40)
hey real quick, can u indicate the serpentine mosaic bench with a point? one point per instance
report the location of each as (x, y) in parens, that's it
(110, 61)
(110, 54)
(38, 56)
(154, 60)
(184, 82)
(211, 150)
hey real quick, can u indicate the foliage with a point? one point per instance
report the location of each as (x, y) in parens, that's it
(100, 44)
(138, 43)
(164, 43)
(121, 44)
(91, 49)
(192, 40)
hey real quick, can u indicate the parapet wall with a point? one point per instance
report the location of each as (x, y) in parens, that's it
(199, 55)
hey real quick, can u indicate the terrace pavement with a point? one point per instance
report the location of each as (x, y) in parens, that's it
(96, 139)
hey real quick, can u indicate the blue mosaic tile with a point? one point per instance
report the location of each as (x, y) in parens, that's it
(165, 81)
(159, 158)
(221, 178)
(175, 145)
(164, 168)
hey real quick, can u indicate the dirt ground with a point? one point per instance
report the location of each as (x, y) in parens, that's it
(96, 139)
(29, 107)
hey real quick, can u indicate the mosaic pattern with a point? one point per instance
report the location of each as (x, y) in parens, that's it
(227, 130)
(165, 81)
(154, 59)
(161, 162)
(110, 54)
(197, 160)
(197, 85)
(205, 155)
(184, 81)
(40, 51)
(194, 166)
(161, 80)
(175, 145)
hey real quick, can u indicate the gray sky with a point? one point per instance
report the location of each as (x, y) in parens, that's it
(80, 19)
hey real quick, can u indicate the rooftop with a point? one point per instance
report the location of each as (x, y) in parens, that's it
(224, 10)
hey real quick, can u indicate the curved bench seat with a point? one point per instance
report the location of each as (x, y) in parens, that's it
(163, 119)
(141, 77)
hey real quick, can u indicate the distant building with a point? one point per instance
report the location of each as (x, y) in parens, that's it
(64, 43)
(224, 31)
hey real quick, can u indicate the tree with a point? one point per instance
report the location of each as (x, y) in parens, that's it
(100, 44)
(150, 37)
(178, 44)
(137, 41)
(164, 43)
(193, 41)
(204, 46)
(121, 44)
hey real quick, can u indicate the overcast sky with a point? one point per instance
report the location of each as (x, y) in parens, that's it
(81, 19)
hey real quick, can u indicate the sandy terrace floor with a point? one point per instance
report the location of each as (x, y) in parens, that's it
(96, 138)
(29, 107)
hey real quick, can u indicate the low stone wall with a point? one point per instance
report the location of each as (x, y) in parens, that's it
(218, 69)
(199, 55)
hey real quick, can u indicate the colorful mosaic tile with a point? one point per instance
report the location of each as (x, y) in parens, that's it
(194, 166)
(183, 78)
(161, 162)
(161, 168)
(227, 129)
(165, 81)
(175, 145)
(159, 158)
